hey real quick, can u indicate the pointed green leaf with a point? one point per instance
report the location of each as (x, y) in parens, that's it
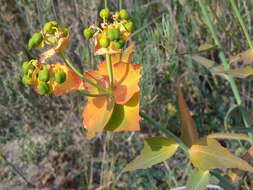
(209, 154)
(156, 150)
(188, 130)
(198, 180)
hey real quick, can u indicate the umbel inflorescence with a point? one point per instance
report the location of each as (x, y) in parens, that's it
(112, 90)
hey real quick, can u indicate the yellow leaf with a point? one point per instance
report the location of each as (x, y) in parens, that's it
(188, 130)
(156, 150)
(246, 57)
(231, 136)
(240, 72)
(209, 154)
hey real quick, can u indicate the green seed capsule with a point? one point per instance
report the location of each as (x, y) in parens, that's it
(113, 34)
(27, 80)
(88, 33)
(43, 88)
(27, 66)
(120, 44)
(48, 27)
(44, 75)
(65, 32)
(60, 77)
(104, 42)
(123, 14)
(129, 26)
(117, 14)
(35, 40)
(104, 13)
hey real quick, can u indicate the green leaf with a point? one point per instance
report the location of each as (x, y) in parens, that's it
(209, 154)
(189, 133)
(198, 180)
(156, 150)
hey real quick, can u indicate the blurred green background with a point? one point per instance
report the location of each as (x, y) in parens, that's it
(42, 137)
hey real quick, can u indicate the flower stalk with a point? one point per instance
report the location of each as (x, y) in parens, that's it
(69, 63)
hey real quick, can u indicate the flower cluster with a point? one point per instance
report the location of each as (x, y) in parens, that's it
(112, 90)
(110, 38)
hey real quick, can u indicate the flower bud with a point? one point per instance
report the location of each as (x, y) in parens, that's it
(120, 43)
(88, 33)
(27, 79)
(104, 13)
(43, 88)
(49, 27)
(27, 66)
(104, 42)
(60, 77)
(44, 75)
(35, 40)
(129, 26)
(123, 14)
(113, 34)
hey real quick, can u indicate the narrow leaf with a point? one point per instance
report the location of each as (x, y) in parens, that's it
(209, 154)
(156, 150)
(231, 136)
(239, 73)
(235, 175)
(189, 133)
(198, 180)
(246, 57)
(208, 64)
(205, 47)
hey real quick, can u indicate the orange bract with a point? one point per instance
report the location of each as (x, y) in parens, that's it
(120, 110)
(72, 82)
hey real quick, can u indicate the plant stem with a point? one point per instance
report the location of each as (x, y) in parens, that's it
(109, 69)
(120, 4)
(105, 3)
(85, 93)
(224, 61)
(68, 62)
(165, 131)
(239, 17)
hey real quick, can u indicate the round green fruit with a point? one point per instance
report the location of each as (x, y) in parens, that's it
(123, 14)
(48, 27)
(27, 66)
(44, 75)
(129, 26)
(60, 77)
(113, 34)
(35, 40)
(43, 88)
(104, 13)
(88, 33)
(120, 44)
(104, 42)
(27, 80)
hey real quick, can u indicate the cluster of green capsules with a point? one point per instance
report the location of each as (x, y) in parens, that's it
(111, 33)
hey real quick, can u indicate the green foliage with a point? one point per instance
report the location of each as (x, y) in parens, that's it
(198, 180)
